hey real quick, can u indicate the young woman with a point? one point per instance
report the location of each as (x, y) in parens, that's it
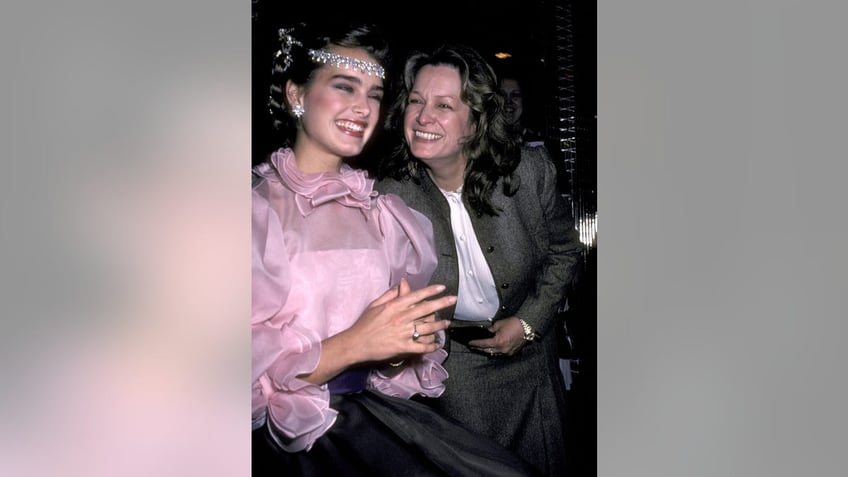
(344, 328)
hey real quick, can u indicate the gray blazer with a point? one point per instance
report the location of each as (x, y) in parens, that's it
(532, 247)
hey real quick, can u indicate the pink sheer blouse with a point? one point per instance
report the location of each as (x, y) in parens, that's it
(324, 246)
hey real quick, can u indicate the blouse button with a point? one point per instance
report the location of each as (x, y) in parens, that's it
(504, 285)
(490, 249)
(503, 307)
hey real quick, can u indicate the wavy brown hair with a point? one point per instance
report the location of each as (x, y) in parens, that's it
(492, 151)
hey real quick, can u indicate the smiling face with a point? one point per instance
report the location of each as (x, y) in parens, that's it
(513, 100)
(436, 121)
(342, 109)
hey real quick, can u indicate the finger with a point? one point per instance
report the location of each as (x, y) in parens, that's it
(387, 296)
(429, 307)
(486, 343)
(431, 318)
(430, 328)
(487, 350)
(425, 343)
(428, 333)
(404, 288)
(425, 339)
(414, 297)
(426, 348)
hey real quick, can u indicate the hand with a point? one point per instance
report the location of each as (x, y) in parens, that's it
(385, 329)
(508, 339)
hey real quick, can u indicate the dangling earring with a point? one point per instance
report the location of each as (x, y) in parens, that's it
(298, 110)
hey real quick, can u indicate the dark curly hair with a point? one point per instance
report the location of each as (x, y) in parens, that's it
(492, 151)
(301, 69)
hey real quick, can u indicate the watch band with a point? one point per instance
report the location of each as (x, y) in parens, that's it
(529, 334)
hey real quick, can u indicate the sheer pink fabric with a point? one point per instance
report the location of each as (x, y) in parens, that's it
(324, 246)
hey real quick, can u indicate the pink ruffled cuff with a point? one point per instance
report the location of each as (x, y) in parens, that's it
(424, 376)
(299, 411)
(299, 419)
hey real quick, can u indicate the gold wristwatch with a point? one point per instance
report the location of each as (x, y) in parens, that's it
(529, 334)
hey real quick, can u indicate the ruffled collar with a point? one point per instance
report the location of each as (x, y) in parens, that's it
(349, 186)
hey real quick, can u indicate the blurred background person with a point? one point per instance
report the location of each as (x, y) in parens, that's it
(521, 116)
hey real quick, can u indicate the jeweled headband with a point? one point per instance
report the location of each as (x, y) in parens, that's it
(346, 62)
(323, 56)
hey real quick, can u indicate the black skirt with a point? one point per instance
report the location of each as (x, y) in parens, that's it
(378, 435)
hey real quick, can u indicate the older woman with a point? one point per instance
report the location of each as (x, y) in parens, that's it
(506, 246)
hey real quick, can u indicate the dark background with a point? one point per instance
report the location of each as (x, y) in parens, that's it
(554, 45)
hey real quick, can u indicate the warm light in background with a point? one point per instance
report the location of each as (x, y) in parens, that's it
(502, 56)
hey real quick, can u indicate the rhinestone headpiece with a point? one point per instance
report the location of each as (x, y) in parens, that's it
(346, 62)
(286, 43)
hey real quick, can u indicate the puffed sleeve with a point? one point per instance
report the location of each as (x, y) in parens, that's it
(412, 255)
(408, 235)
(296, 411)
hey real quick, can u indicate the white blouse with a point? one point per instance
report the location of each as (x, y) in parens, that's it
(477, 298)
